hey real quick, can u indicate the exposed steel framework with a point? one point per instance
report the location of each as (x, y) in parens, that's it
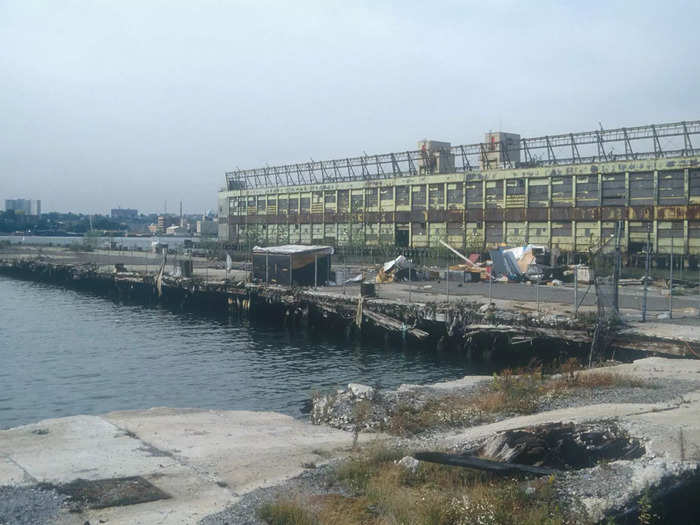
(641, 142)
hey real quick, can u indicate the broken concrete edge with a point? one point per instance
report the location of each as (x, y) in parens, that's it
(420, 323)
(204, 459)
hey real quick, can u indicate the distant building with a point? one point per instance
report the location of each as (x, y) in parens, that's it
(124, 213)
(26, 206)
(175, 230)
(166, 220)
(205, 228)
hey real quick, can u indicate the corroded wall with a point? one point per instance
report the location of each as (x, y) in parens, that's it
(571, 207)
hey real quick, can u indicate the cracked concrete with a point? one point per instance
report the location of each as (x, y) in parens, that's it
(203, 458)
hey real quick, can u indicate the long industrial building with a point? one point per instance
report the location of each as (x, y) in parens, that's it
(566, 191)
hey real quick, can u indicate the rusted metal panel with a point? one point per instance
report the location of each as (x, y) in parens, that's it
(586, 214)
(494, 214)
(317, 218)
(640, 213)
(537, 214)
(516, 214)
(329, 216)
(235, 219)
(455, 216)
(476, 214)
(386, 217)
(437, 215)
(670, 213)
(418, 216)
(403, 216)
(613, 213)
(561, 214)
(693, 212)
(372, 217)
(672, 188)
(304, 218)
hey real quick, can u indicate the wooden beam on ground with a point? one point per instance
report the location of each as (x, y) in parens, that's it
(394, 325)
(487, 465)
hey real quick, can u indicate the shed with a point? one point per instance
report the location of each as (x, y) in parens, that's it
(293, 264)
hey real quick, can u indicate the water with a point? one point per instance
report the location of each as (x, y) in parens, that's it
(64, 353)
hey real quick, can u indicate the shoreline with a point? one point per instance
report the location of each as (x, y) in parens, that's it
(468, 324)
(206, 461)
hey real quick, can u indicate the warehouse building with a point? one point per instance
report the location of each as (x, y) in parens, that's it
(567, 192)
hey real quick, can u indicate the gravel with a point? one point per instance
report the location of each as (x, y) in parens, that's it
(29, 505)
(243, 512)
(659, 391)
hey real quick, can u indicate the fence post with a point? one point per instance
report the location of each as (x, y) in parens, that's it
(537, 289)
(670, 285)
(447, 280)
(491, 284)
(575, 291)
(410, 279)
(646, 277)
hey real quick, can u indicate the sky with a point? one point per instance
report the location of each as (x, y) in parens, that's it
(135, 103)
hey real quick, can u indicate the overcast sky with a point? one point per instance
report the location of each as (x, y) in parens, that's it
(132, 103)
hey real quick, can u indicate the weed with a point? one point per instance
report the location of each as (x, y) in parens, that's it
(383, 492)
(646, 515)
(286, 512)
(510, 392)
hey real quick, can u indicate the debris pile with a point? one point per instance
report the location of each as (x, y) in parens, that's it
(522, 263)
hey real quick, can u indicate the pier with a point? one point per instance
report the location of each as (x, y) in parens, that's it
(506, 325)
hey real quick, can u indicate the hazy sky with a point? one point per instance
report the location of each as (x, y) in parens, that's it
(132, 103)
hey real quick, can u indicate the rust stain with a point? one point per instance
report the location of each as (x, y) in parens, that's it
(537, 214)
(516, 214)
(476, 214)
(613, 213)
(671, 212)
(561, 214)
(494, 214)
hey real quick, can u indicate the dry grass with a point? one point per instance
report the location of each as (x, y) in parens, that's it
(383, 493)
(286, 512)
(509, 393)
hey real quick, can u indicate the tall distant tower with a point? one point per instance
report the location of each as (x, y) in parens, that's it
(182, 219)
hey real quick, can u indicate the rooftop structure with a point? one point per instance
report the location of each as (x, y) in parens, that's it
(566, 192)
(620, 144)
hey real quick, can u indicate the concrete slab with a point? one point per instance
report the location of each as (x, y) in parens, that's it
(242, 449)
(202, 458)
(13, 474)
(87, 447)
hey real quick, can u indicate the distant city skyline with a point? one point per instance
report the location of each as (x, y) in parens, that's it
(135, 103)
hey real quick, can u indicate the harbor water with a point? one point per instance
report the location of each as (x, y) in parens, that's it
(65, 352)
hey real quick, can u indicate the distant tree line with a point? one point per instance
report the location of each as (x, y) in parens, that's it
(55, 223)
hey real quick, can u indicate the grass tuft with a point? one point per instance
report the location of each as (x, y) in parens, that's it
(512, 392)
(375, 490)
(286, 512)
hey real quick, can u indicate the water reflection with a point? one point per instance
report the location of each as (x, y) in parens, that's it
(67, 353)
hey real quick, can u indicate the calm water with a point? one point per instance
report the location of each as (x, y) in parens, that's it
(65, 353)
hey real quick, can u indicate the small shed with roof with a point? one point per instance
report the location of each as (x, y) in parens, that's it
(293, 264)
